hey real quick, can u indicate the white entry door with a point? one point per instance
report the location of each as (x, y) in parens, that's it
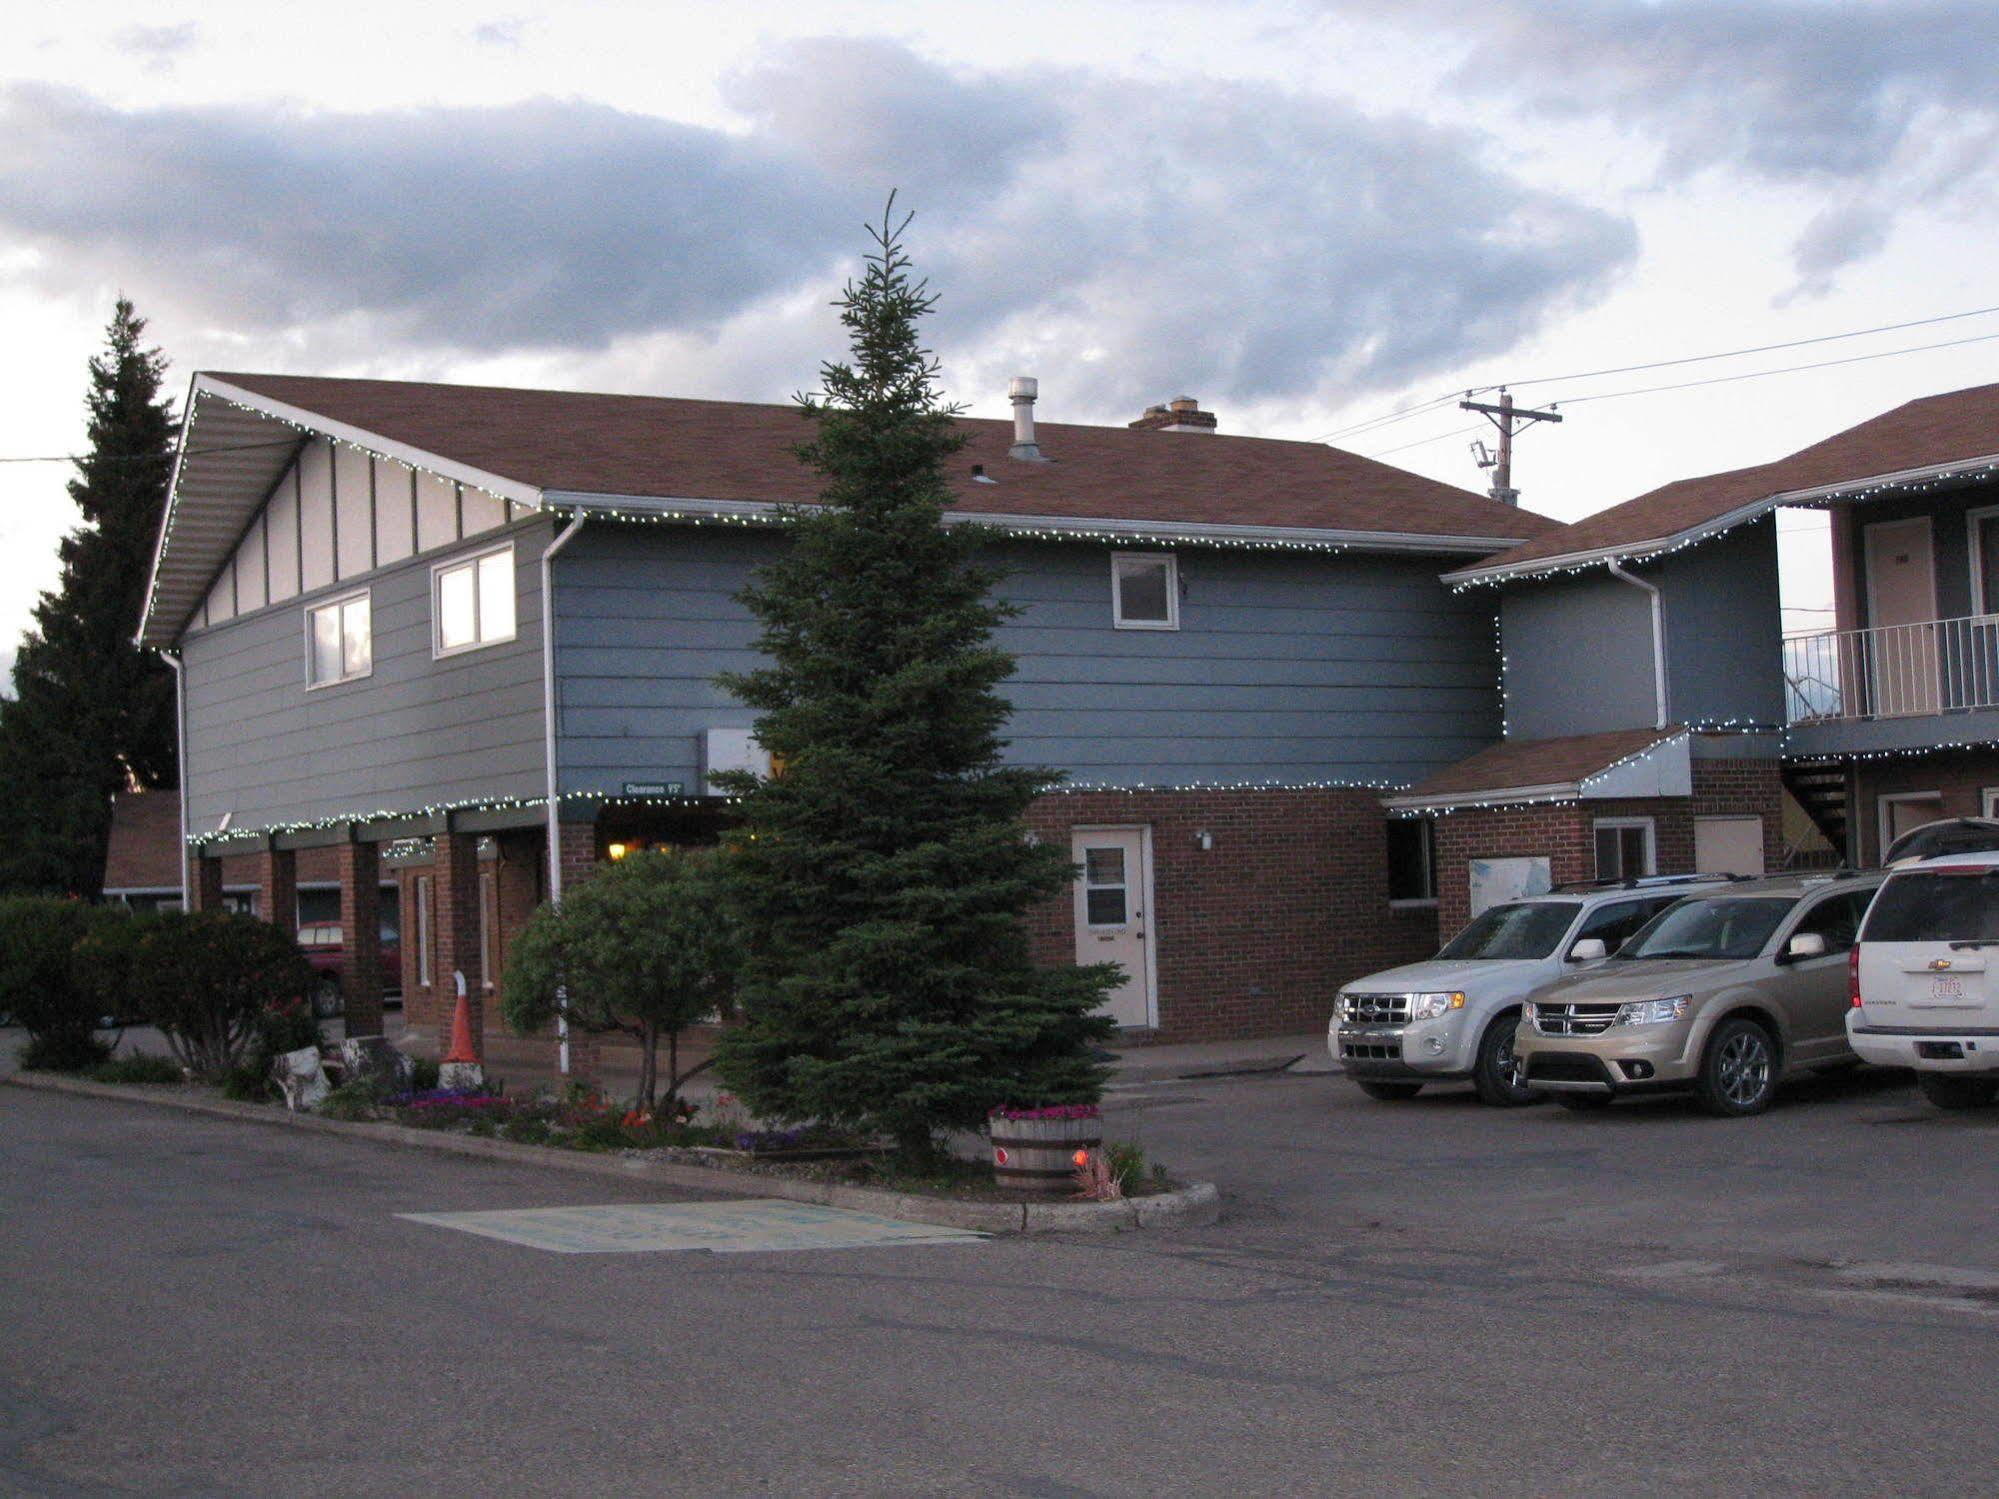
(1728, 845)
(1112, 895)
(1902, 609)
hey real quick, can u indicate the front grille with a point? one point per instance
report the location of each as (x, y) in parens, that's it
(1375, 1009)
(1564, 1067)
(1574, 1020)
(1371, 1051)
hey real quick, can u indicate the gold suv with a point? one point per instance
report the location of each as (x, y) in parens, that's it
(1722, 994)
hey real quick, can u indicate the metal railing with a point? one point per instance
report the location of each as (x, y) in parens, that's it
(1937, 666)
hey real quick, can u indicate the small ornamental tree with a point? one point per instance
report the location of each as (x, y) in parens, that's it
(644, 948)
(884, 874)
(44, 986)
(207, 979)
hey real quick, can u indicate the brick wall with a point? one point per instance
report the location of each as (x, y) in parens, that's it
(1566, 835)
(1960, 776)
(1256, 935)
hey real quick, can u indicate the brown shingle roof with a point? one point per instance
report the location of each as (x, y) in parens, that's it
(1936, 430)
(733, 451)
(1514, 763)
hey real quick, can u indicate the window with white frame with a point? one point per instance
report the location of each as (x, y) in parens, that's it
(339, 640)
(472, 600)
(1625, 848)
(1145, 590)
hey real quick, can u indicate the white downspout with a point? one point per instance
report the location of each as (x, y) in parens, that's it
(1658, 636)
(548, 742)
(180, 765)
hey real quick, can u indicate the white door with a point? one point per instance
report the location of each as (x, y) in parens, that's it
(1901, 613)
(1728, 845)
(1111, 926)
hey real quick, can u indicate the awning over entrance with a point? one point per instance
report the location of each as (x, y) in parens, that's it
(1580, 767)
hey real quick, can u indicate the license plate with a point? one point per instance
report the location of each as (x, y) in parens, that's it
(1946, 986)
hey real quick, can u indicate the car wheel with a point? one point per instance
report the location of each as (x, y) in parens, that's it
(1949, 1092)
(1389, 1092)
(1497, 1074)
(1738, 1073)
(326, 998)
(1583, 1103)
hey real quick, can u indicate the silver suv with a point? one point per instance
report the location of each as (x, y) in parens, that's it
(1452, 1017)
(1724, 995)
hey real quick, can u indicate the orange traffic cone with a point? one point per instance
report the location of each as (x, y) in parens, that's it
(461, 1035)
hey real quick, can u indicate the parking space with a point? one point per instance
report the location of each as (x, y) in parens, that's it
(1847, 1166)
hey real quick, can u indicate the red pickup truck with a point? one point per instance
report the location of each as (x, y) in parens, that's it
(324, 942)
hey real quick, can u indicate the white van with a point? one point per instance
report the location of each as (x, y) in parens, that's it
(1925, 978)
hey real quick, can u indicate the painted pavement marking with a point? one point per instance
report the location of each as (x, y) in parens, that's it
(735, 1227)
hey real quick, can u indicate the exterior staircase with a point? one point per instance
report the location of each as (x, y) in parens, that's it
(1820, 788)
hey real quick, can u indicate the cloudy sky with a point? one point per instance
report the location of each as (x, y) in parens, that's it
(1304, 212)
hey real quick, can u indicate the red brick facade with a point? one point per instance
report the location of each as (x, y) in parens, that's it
(359, 868)
(1565, 834)
(1254, 936)
(1960, 777)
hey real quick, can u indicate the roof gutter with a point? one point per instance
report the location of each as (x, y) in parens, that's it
(1658, 638)
(1498, 796)
(563, 538)
(751, 512)
(1637, 551)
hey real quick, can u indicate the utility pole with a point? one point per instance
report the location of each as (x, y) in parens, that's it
(1505, 416)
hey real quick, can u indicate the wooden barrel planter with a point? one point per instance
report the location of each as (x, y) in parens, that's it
(1034, 1150)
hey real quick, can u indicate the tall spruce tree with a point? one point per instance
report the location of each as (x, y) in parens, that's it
(885, 870)
(93, 714)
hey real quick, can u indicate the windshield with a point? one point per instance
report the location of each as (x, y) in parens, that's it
(1936, 908)
(1526, 929)
(1719, 928)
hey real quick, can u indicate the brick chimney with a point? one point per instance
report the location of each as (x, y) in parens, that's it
(1181, 414)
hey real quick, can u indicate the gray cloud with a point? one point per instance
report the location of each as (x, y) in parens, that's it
(505, 32)
(160, 47)
(1140, 239)
(537, 225)
(1872, 105)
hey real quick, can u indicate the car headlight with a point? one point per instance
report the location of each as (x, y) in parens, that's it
(1434, 1006)
(1528, 1013)
(1655, 1011)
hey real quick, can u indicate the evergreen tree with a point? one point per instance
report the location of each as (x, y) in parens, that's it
(93, 714)
(885, 869)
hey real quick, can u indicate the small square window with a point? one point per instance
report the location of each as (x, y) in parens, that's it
(1624, 848)
(473, 602)
(1145, 590)
(339, 641)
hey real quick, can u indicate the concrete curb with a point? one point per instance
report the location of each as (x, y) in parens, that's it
(1187, 1207)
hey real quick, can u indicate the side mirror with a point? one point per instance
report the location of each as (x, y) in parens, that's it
(1589, 950)
(1805, 945)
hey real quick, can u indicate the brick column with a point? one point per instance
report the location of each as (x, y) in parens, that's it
(456, 893)
(277, 889)
(360, 874)
(204, 885)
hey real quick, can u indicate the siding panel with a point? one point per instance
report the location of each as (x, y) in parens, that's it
(1287, 668)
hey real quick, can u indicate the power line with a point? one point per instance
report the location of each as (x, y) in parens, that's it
(1789, 369)
(1425, 441)
(241, 447)
(1795, 343)
(1386, 419)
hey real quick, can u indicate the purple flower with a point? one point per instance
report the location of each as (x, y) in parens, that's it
(1053, 1111)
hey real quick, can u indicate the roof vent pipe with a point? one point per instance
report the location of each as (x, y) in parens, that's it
(1021, 390)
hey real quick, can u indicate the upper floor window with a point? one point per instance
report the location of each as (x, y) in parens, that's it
(1145, 590)
(473, 601)
(1625, 849)
(339, 641)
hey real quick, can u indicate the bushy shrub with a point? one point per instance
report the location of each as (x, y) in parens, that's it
(643, 947)
(136, 1069)
(45, 982)
(207, 980)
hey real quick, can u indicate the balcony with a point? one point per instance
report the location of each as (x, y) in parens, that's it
(1894, 672)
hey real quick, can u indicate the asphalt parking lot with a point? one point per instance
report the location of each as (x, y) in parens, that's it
(1431, 1297)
